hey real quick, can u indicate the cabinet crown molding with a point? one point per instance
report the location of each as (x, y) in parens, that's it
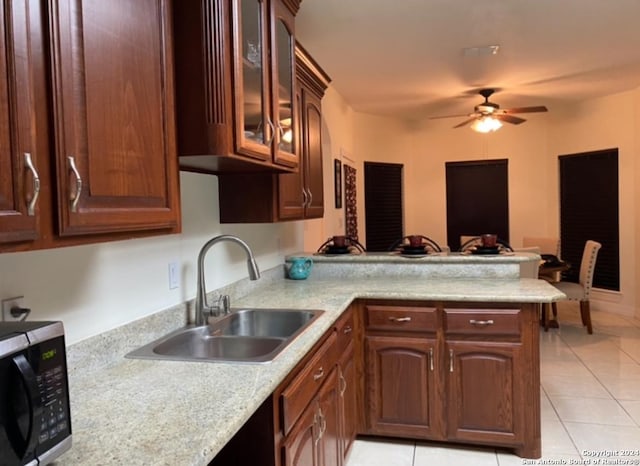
(309, 71)
(293, 5)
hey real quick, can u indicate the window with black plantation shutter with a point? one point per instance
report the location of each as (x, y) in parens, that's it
(477, 199)
(589, 210)
(383, 204)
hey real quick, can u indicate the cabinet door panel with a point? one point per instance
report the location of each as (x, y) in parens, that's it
(348, 399)
(484, 391)
(301, 445)
(328, 398)
(18, 183)
(312, 145)
(401, 386)
(253, 126)
(113, 115)
(291, 198)
(282, 86)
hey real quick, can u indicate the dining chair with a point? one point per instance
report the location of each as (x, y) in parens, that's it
(581, 291)
(529, 269)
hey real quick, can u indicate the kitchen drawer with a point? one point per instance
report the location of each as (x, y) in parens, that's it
(306, 384)
(405, 318)
(344, 330)
(482, 321)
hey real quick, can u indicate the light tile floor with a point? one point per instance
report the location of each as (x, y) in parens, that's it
(590, 400)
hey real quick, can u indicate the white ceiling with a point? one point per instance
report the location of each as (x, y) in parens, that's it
(404, 57)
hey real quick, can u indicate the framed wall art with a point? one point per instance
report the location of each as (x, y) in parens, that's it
(337, 182)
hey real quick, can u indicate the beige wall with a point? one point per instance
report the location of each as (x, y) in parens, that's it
(98, 287)
(636, 195)
(532, 149)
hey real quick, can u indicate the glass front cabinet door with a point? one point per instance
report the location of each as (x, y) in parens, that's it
(263, 84)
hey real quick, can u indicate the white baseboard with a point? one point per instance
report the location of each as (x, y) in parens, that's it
(611, 301)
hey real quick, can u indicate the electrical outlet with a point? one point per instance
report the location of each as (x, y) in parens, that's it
(10, 303)
(174, 275)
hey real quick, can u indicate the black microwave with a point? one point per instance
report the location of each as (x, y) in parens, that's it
(35, 419)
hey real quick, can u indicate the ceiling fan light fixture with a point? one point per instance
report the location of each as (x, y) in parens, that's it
(486, 124)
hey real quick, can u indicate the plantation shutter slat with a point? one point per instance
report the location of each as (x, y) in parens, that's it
(477, 199)
(589, 210)
(383, 204)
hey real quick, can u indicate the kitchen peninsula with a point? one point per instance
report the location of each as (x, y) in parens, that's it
(127, 411)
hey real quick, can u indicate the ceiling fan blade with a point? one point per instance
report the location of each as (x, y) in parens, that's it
(540, 108)
(448, 116)
(466, 122)
(509, 119)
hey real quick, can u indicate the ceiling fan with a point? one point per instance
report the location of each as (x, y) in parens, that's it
(488, 116)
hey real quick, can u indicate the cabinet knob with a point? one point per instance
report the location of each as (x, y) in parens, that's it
(75, 197)
(347, 330)
(31, 207)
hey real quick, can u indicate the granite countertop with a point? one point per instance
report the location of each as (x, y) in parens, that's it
(141, 412)
(433, 257)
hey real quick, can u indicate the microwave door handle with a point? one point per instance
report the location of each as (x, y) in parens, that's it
(23, 446)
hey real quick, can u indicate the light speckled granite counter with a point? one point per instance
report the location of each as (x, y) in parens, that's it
(141, 412)
(435, 265)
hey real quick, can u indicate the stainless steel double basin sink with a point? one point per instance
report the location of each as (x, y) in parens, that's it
(244, 335)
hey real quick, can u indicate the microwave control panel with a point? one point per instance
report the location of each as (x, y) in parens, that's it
(49, 362)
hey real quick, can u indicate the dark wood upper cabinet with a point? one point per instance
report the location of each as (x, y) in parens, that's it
(301, 195)
(113, 115)
(235, 87)
(86, 116)
(19, 160)
(259, 197)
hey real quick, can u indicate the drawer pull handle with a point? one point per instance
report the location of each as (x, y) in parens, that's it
(31, 208)
(75, 198)
(343, 384)
(323, 423)
(310, 198)
(481, 323)
(272, 132)
(317, 434)
(347, 330)
(400, 319)
(431, 359)
(318, 375)
(450, 360)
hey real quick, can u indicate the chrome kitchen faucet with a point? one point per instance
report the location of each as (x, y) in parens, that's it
(203, 310)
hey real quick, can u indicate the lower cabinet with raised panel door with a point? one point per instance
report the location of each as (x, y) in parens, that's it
(445, 371)
(458, 372)
(347, 381)
(400, 349)
(310, 420)
(318, 406)
(309, 411)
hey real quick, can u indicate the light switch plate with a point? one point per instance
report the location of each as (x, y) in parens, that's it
(174, 275)
(8, 304)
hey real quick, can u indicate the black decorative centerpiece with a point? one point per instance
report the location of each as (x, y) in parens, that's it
(341, 244)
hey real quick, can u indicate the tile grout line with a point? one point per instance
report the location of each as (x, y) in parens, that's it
(583, 362)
